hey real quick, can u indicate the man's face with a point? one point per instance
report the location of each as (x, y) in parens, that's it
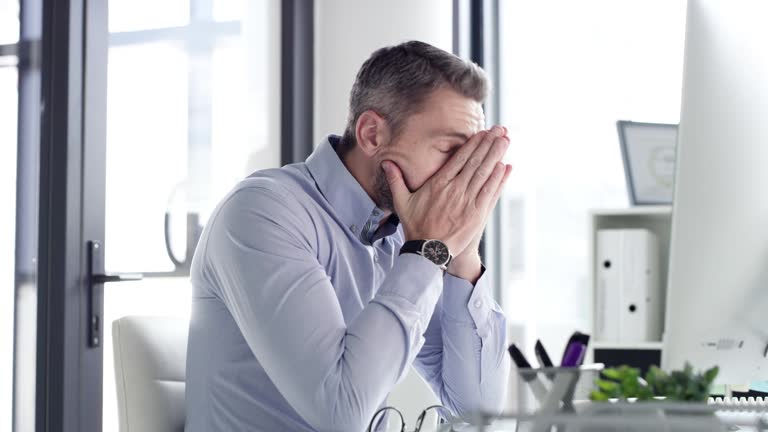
(428, 139)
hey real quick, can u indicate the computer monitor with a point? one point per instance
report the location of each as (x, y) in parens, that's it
(717, 299)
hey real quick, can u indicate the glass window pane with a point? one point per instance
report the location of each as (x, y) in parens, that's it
(8, 116)
(146, 151)
(9, 21)
(238, 97)
(133, 15)
(230, 10)
(567, 78)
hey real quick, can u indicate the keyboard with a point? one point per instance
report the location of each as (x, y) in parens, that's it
(745, 414)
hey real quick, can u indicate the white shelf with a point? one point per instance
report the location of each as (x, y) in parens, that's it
(627, 345)
(633, 211)
(658, 220)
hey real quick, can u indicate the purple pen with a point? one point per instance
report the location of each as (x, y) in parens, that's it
(575, 351)
(574, 355)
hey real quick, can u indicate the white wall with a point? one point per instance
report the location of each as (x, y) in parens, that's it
(347, 32)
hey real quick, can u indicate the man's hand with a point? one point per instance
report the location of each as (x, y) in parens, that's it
(453, 205)
(468, 265)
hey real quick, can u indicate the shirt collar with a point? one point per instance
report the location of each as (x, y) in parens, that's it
(348, 199)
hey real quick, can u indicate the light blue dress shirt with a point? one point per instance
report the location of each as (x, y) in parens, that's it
(305, 316)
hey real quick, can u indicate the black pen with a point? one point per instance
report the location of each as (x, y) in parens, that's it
(518, 357)
(542, 355)
(538, 388)
(544, 359)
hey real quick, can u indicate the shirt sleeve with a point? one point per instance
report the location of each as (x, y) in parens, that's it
(259, 255)
(464, 357)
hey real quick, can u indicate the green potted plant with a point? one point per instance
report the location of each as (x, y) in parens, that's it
(625, 383)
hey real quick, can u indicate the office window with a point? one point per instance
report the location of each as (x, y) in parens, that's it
(8, 138)
(147, 14)
(146, 150)
(9, 34)
(9, 22)
(569, 71)
(226, 10)
(190, 111)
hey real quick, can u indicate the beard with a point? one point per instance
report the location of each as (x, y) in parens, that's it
(383, 193)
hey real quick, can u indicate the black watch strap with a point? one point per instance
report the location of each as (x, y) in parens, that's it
(412, 246)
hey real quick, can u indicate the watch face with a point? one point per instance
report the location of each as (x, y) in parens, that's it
(436, 251)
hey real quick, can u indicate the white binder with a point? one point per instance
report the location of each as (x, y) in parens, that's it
(629, 294)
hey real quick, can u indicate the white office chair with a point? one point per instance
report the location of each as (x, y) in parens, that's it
(150, 365)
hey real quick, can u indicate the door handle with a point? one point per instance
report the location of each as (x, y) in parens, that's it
(94, 280)
(118, 277)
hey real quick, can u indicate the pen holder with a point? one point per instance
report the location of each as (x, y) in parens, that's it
(556, 390)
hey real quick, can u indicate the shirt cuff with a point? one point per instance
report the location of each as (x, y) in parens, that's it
(418, 280)
(411, 291)
(466, 304)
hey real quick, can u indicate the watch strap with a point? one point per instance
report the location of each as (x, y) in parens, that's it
(412, 246)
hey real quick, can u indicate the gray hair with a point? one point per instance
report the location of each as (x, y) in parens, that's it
(395, 81)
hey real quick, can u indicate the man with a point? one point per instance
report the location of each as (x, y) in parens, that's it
(318, 284)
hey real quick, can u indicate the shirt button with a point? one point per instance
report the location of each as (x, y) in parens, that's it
(478, 304)
(376, 258)
(353, 228)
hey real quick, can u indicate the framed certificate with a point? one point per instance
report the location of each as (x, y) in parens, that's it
(648, 150)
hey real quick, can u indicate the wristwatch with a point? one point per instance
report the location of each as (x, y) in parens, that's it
(433, 250)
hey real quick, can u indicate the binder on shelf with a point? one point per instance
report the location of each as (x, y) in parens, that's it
(629, 297)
